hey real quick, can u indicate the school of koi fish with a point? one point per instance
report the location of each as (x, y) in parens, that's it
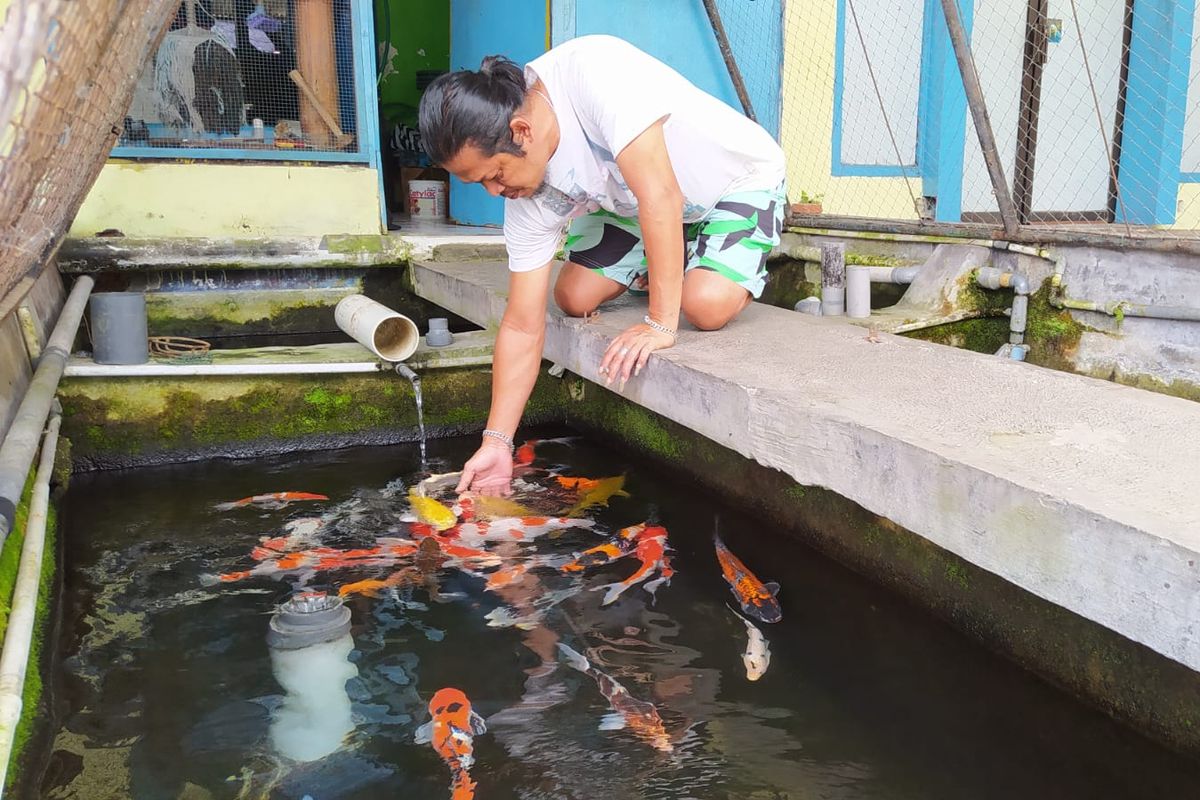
(489, 538)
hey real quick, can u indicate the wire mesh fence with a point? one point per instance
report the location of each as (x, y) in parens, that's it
(275, 77)
(1094, 107)
(67, 70)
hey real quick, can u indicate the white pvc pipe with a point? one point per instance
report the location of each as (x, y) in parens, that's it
(14, 660)
(169, 370)
(386, 333)
(858, 292)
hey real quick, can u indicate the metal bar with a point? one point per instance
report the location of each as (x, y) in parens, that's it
(1153, 242)
(232, 154)
(181, 370)
(21, 443)
(979, 114)
(735, 74)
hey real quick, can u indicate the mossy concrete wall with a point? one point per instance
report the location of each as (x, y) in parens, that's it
(1129, 681)
(122, 422)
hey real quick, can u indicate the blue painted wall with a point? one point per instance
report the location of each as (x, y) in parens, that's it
(478, 28)
(1160, 50)
(678, 33)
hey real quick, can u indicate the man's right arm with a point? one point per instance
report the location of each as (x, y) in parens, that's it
(518, 354)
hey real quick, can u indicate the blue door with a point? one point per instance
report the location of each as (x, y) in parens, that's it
(478, 28)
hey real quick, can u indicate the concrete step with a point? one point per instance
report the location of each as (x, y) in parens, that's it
(1083, 492)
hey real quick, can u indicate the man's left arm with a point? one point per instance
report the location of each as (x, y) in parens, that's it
(646, 166)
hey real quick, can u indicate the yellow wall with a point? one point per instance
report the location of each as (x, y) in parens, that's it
(807, 124)
(1189, 207)
(143, 199)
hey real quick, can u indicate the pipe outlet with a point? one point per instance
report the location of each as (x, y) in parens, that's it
(386, 333)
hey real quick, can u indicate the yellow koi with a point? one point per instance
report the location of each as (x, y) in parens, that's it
(593, 491)
(431, 512)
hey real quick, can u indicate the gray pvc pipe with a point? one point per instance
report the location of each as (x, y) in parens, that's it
(21, 443)
(900, 275)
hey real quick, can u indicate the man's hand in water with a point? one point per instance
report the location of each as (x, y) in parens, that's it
(489, 471)
(627, 353)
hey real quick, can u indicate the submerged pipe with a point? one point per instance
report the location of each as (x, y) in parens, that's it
(14, 660)
(20, 445)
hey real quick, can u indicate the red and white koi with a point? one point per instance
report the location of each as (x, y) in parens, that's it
(651, 552)
(273, 500)
(640, 716)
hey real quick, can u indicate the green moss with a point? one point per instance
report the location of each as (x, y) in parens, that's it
(957, 575)
(985, 335)
(795, 491)
(1051, 333)
(10, 557)
(787, 284)
(871, 260)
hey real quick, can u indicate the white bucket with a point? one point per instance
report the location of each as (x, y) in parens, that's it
(386, 333)
(427, 199)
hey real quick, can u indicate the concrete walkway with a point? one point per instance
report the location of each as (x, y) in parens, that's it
(1080, 491)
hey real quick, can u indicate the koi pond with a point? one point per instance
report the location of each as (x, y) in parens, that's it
(479, 658)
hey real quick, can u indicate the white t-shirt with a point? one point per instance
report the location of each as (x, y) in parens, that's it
(605, 93)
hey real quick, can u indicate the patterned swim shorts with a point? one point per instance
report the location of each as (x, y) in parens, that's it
(733, 240)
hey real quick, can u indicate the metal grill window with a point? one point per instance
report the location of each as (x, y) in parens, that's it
(266, 80)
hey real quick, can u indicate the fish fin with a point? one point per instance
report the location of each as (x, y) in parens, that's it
(424, 734)
(478, 726)
(574, 658)
(653, 586)
(615, 590)
(612, 722)
(772, 588)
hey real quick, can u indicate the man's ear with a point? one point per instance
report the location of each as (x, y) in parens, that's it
(522, 131)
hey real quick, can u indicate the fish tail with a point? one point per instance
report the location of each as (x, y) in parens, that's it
(574, 658)
(614, 590)
(209, 579)
(227, 506)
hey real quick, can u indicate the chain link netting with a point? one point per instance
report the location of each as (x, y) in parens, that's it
(241, 76)
(67, 69)
(1094, 106)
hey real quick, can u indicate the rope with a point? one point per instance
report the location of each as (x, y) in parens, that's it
(879, 96)
(1087, 68)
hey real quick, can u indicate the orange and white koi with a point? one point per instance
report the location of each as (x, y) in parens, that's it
(651, 551)
(640, 716)
(452, 733)
(319, 559)
(299, 534)
(273, 500)
(756, 598)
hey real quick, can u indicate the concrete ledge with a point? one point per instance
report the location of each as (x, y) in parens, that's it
(472, 349)
(1082, 492)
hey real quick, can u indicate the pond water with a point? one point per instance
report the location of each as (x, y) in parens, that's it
(167, 687)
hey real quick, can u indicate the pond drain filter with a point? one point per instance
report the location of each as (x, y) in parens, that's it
(307, 619)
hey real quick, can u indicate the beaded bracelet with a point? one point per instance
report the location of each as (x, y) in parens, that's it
(503, 437)
(659, 327)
